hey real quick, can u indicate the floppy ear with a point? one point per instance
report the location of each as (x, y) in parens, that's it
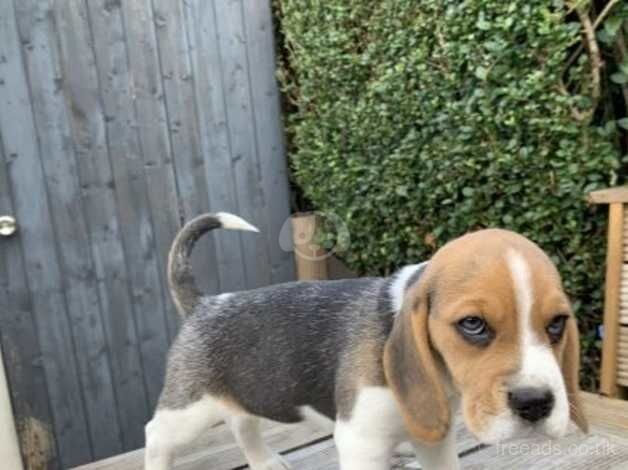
(413, 376)
(570, 366)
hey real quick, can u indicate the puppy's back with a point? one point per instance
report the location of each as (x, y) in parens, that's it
(275, 349)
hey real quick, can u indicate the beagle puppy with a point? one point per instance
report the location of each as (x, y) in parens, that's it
(484, 325)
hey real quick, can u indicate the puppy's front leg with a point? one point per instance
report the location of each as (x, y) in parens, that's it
(442, 456)
(362, 449)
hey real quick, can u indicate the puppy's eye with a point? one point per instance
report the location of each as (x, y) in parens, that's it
(475, 330)
(556, 327)
(472, 325)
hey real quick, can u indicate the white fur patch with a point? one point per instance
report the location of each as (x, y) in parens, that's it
(222, 298)
(366, 441)
(171, 429)
(399, 284)
(246, 430)
(522, 283)
(316, 419)
(440, 455)
(539, 367)
(233, 222)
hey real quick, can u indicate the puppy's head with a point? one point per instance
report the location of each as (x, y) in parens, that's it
(488, 316)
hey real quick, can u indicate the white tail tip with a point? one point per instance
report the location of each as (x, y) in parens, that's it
(233, 222)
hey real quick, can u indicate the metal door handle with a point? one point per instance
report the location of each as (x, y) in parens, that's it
(8, 225)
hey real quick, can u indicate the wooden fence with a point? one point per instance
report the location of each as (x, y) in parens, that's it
(119, 119)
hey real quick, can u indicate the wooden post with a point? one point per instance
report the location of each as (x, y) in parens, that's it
(311, 259)
(617, 198)
(10, 457)
(608, 375)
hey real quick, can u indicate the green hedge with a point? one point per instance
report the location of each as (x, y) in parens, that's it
(417, 121)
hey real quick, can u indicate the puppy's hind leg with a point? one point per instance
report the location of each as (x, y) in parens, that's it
(246, 429)
(173, 428)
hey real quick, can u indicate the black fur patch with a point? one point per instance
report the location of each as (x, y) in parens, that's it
(275, 349)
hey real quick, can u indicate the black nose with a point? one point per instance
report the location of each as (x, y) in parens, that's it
(530, 403)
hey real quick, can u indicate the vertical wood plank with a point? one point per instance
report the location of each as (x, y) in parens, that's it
(9, 445)
(40, 248)
(184, 131)
(207, 66)
(245, 161)
(152, 126)
(120, 121)
(268, 131)
(608, 374)
(81, 92)
(18, 337)
(131, 191)
(42, 62)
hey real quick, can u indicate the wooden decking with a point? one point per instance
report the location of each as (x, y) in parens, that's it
(604, 448)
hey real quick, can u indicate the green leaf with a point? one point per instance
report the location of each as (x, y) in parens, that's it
(483, 25)
(612, 25)
(623, 122)
(604, 37)
(467, 192)
(481, 72)
(619, 78)
(610, 127)
(402, 191)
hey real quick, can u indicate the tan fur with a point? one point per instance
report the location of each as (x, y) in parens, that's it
(412, 373)
(470, 276)
(363, 361)
(232, 405)
(570, 365)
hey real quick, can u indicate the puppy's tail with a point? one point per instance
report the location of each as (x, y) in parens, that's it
(183, 288)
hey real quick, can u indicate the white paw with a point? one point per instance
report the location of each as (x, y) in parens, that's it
(276, 463)
(405, 449)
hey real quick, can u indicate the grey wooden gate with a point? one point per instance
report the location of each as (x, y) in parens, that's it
(118, 120)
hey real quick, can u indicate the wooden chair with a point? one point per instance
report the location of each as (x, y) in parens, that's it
(614, 373)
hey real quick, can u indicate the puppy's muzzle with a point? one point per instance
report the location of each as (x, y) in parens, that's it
(532, 404)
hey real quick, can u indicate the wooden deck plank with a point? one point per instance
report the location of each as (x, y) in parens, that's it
(217, 450)
(323, 455)
(604, 448)
(607, 415)
(574, 452)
